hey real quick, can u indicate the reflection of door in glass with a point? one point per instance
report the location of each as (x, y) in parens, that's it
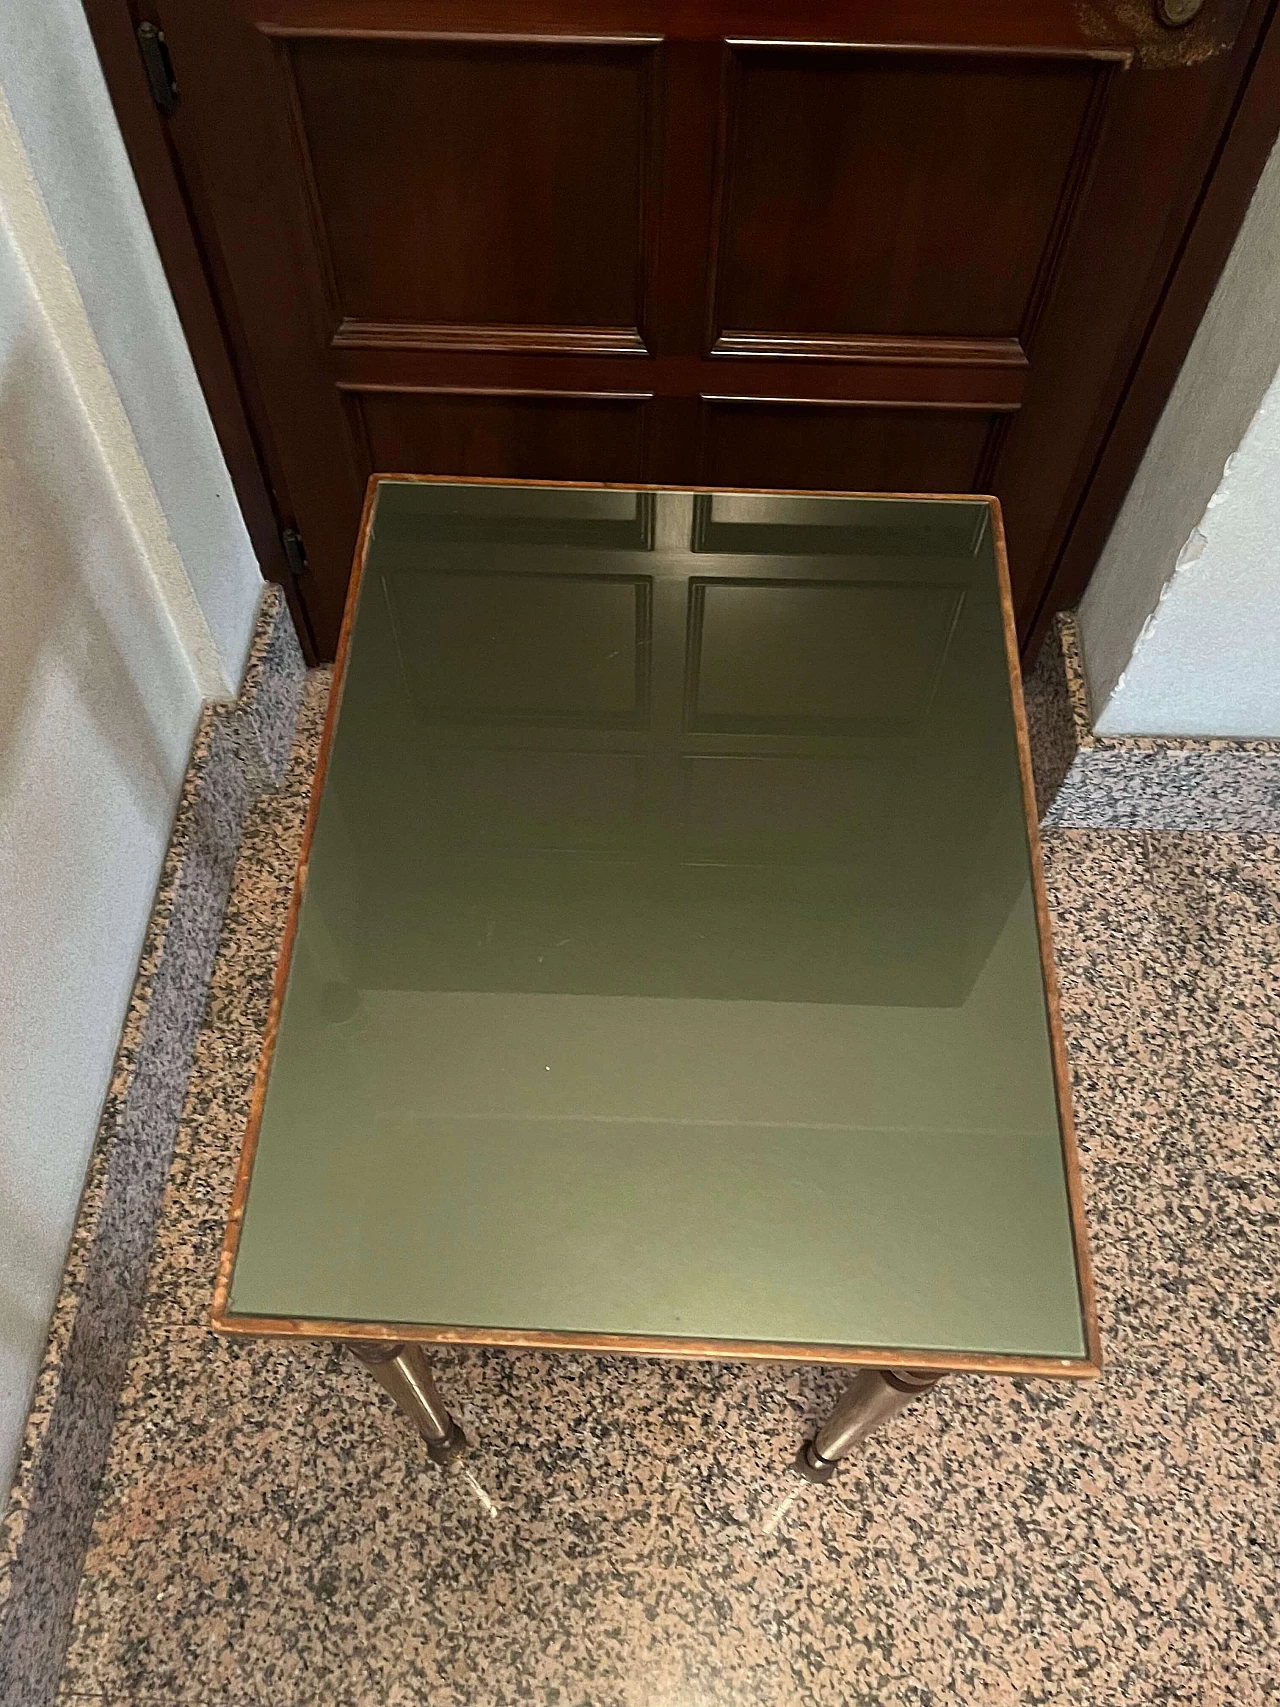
(653, 744)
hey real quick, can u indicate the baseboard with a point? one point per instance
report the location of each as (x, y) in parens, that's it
(239, 749)
(1136, 782)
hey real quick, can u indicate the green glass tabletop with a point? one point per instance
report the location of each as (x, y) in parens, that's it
(668, 961)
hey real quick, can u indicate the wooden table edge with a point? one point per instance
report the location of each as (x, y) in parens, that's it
(233, 1326)
(226, 1323)
(1048, 967)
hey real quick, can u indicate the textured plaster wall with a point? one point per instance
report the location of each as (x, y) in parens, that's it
(54, 85)
(1181, 622)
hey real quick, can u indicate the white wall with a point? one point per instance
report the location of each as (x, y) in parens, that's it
(54, 84)
(1180, 624)
(127, 597)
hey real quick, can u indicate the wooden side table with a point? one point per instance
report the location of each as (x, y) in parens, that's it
(668, 969)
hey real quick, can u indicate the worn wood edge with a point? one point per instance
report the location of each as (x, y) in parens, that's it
(266, 1053)
(1048, 967)
(658, 1345)
(284, 1327)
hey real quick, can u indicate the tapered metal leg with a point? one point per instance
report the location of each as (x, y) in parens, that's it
(871, 1398)
(406, 1374)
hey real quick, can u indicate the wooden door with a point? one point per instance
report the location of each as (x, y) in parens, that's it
(866, 246)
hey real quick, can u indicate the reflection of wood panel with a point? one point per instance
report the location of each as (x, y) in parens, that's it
(576, 519)
(759, 805)
(471, 798)
(768, 524)
(554, 650)
(838, 658)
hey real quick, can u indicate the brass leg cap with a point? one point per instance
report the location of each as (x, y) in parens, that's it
(452, 1446)
(813, 1468)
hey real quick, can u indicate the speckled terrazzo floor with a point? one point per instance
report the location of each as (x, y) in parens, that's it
(270, 1534)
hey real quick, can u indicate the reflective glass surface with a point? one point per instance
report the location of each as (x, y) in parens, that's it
(668, 962)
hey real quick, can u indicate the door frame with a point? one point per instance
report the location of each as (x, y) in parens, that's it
(167, 202)
(1247, 137)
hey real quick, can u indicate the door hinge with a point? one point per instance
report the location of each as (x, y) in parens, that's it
(295, 552)
(159, 67)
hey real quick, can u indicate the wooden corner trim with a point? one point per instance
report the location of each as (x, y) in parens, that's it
(891, 350)
(483, 339)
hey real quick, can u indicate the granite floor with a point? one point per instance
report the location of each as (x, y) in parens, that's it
(271, 1535)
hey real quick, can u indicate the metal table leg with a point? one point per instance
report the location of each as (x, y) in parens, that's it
(871, 1398)
(406, 1374)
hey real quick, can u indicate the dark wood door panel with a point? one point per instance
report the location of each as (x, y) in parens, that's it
(547, 436)
(448, 180)
(911, 248)
(907, 192)
(843, 447)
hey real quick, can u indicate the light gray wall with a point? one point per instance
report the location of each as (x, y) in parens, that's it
(127, 598)
(54, 84)
(1180, 624)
